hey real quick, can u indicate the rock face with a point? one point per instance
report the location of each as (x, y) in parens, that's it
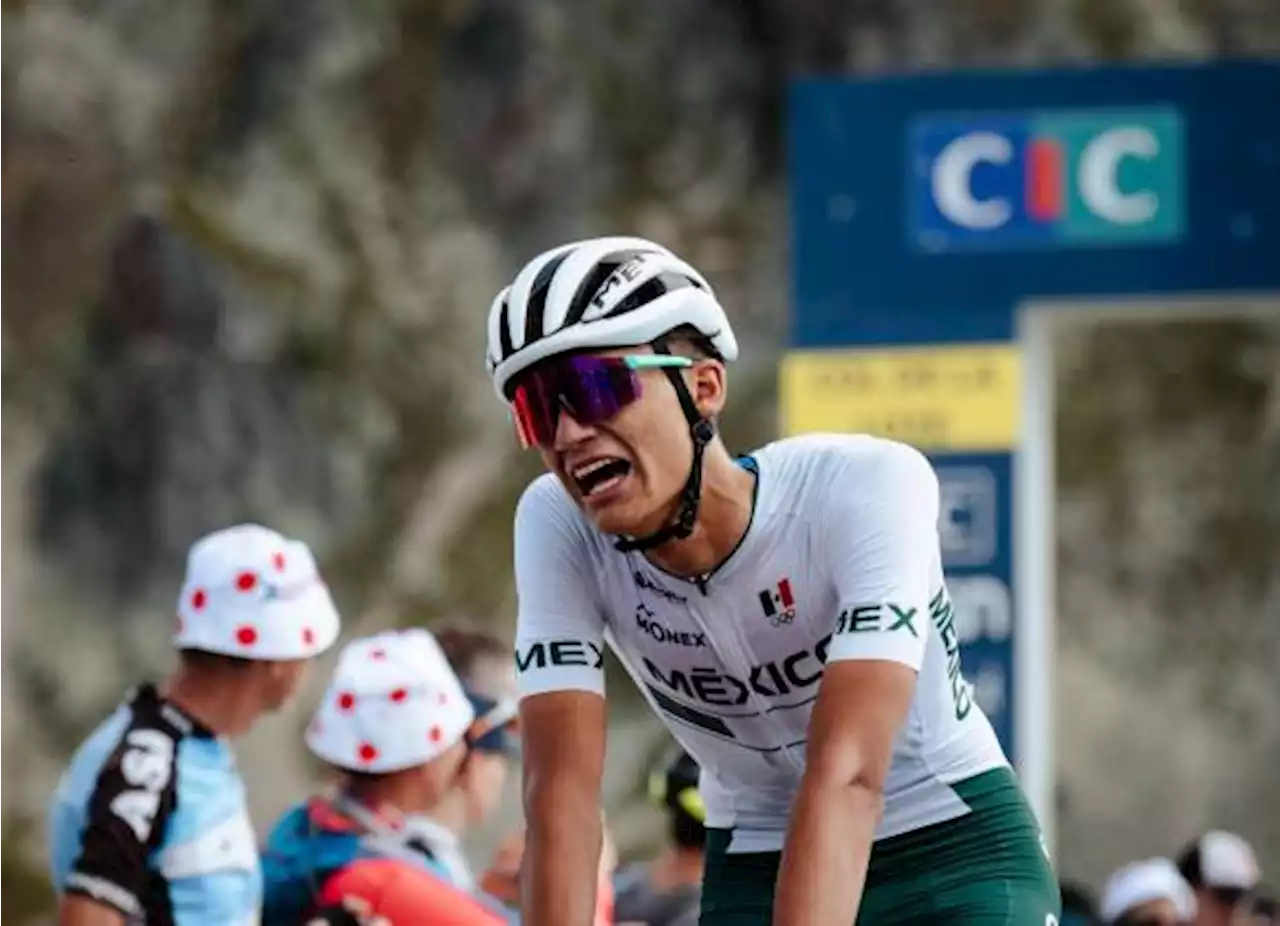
(251, 246)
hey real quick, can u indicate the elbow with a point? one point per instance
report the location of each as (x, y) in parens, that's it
(851, 772)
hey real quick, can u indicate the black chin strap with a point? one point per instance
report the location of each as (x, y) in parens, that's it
(702, 431)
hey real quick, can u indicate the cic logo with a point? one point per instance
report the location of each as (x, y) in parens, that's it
(1047, 179)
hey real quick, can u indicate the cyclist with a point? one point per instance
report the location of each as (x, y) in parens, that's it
(149, 822)
(729, 589)
(666, 892)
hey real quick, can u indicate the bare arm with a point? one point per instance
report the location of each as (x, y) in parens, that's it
(851, 734)
(880, 537)
(564, 745)
(77, 910)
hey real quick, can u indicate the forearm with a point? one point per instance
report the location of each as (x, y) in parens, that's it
(824, 863)
(562, 855)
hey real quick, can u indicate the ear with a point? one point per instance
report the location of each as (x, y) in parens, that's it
(709, 386)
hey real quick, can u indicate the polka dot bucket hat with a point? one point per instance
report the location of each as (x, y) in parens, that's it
(393, 703)
(253, 593)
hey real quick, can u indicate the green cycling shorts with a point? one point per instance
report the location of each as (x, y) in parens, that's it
(986, 868)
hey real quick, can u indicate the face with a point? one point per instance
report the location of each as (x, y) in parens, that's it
(483, 780)
(1219, 907)
(444, 772)
(627, 472)
(1154, 913)
(282, 682)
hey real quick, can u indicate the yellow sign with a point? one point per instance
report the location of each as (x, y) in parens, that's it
(953, 397)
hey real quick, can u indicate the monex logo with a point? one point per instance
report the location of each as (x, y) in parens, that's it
(1047, 178)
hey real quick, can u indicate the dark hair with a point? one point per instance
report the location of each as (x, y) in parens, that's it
(1189, 865)
(680, 775)
(202, 661)
(686, 832)
(689, 341)
(1078, 904)
(464, 648)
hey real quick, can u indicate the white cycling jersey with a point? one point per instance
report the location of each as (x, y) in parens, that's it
(841, 561)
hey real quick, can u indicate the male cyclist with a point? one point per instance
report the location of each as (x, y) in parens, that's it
(149, 823)
(785, 614)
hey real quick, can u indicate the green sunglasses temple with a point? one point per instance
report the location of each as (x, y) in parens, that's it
(655, 361)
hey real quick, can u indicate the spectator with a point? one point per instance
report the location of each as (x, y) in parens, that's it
(667, 891)
(484, 665)
(1222, 870)
(150, 823)
(396, 726)
(1148, 893)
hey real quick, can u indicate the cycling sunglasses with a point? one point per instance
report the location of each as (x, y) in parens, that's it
(590, 389)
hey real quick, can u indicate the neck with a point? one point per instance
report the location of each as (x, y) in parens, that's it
(724, 514)
(451, 813)
(227, 709)
(398, 792)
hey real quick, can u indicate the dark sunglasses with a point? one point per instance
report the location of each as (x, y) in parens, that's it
(588, 388)
(496, 730)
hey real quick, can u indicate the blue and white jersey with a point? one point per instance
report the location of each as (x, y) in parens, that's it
(150, 818)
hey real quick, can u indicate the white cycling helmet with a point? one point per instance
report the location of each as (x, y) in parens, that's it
(603, 293)
(595, 294)
(393, 703)
(252, 593)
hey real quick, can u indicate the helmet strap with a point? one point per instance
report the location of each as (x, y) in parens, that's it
(702, 432)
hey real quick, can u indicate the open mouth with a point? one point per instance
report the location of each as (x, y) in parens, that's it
(600, 475)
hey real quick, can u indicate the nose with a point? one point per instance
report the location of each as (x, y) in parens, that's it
(570, 432)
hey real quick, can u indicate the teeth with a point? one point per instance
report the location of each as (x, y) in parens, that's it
(590, 468)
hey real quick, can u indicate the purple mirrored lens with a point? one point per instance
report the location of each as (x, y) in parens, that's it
(591, 389)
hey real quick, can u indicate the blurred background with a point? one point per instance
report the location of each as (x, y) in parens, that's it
(249, 246)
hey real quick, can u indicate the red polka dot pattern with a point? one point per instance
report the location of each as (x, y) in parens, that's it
(346, 702)
(378, 654)
(435, 734)
(198, 599)
(246, 581)
(368, 752)
(246, 635)
(398, 695)
(277, 560)
(308, 636)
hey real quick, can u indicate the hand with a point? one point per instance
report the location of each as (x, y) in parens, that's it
(608, 855)
(354, 911)
(502, 880)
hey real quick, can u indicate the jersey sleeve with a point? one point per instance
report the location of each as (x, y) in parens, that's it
(881, 541)
(126, 815)
(559, 624)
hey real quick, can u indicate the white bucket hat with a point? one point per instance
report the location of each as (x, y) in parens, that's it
(393, 703)
(1145, 881)
(253, 593)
